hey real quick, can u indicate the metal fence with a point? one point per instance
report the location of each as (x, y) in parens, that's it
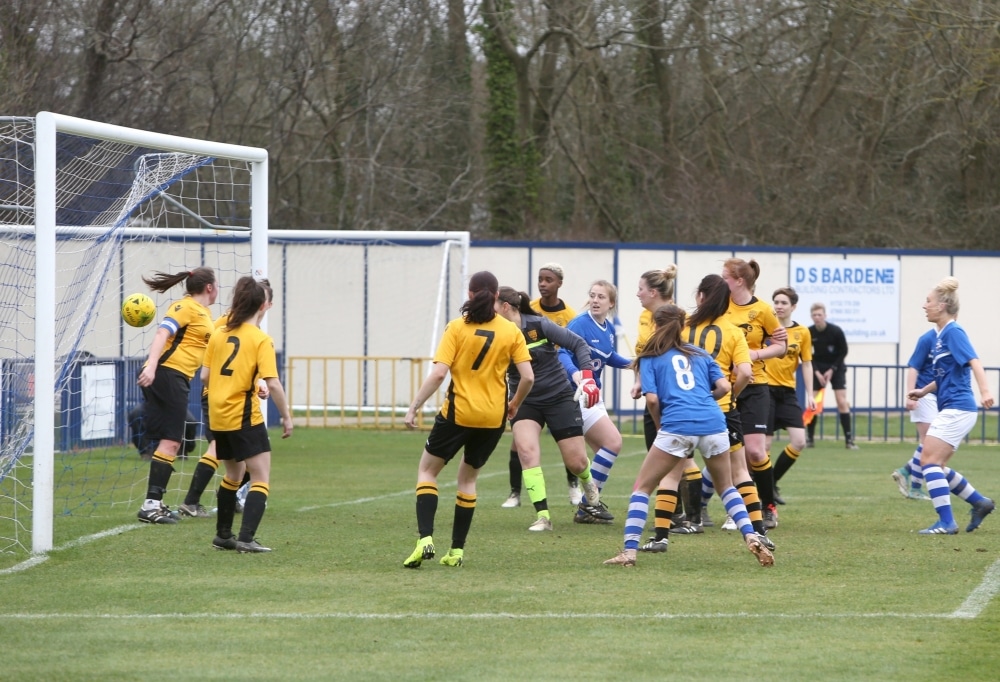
(355, 391)
(374, 392)
(877, 396)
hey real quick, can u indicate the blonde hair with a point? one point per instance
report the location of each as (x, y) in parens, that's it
(947, 293)
(817, 306)
(555, 269)
(662, 281)
(608, 287)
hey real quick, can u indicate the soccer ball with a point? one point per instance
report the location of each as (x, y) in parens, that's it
(138, 310)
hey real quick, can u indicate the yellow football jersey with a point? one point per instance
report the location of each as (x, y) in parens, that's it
(219, 324)
(725, 343)
(758, 322)
(235, 358)
(561, 314)
(781, 371)
(478, 356)
(191, 327)
(646, 328)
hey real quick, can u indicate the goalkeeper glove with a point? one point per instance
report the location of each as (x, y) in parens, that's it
(587, 393)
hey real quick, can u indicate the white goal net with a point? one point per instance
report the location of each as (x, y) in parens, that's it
(86, 210)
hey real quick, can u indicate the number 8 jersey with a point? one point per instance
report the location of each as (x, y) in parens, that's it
(683, 384)
(478, 356)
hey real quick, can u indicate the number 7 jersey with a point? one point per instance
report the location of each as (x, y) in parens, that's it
(478, 356)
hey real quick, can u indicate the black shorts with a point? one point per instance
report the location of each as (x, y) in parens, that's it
(166, 405)
(649, 427)
(243, 444)
(786, 413)
(561, 414)
(754, 403)
(734, 425)
(207, 432)
(447, 438)
(838, 381)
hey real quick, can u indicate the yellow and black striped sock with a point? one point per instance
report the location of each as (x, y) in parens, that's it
(253, 510)
(225, 497)
(748, 491)
(203, 473)
(160, 468)
(762, 474)
(666, 505)
(692, 498)
(786, 459)
(427, 505)
(465, 507)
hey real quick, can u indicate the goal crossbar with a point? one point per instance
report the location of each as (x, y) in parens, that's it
(47, 126)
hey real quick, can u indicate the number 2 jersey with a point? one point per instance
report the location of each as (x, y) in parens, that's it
(235, 358)
(478, 356)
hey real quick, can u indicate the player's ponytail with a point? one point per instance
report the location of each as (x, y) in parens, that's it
(669, 320)
(483, 290)
(518, 300)
(196, 280)
(714, 301)
(248, 297)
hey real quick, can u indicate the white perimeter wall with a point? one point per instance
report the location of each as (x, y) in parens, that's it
(517, 265)
(345, 301)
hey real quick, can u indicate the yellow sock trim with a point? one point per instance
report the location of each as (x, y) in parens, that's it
(164, 457)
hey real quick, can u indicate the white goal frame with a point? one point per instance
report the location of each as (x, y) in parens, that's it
(47, 126)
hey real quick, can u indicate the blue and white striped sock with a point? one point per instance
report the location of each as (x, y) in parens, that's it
(733, 502)
(958, 484)
(937, 488)
(707, 487)
(638, 510)
(600, 467)
(916, 471)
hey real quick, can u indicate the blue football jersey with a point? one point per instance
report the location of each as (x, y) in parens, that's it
(952, 352)
(683, 384)
(601, 339)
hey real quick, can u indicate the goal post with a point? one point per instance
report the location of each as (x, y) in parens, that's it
(227, 193)
(360, 314)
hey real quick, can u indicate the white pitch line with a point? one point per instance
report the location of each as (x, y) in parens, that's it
(25, 565)
(980, 597)
(362, 500)
(41, 558)
(465, 616)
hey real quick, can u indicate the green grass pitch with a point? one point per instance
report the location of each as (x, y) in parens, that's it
(855, 593)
